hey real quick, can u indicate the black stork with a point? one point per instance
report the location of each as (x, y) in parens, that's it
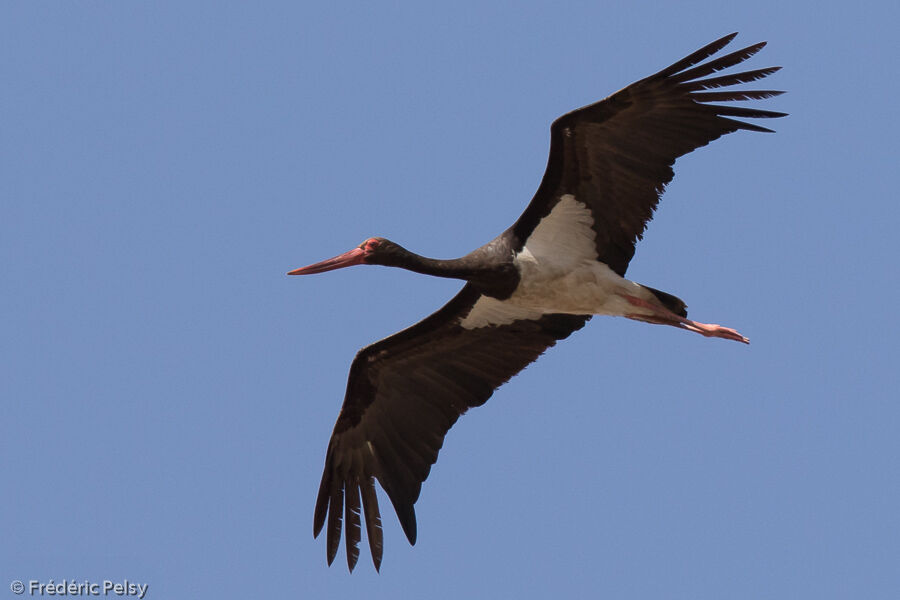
(562, 261)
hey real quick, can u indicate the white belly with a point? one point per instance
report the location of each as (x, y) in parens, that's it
(560, 273)
(591, 288)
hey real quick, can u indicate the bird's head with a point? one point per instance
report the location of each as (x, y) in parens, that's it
(373, 251)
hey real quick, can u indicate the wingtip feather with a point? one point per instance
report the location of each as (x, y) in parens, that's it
(719, 64)
(406, 513)
(373, 521)
(352, 526)
(747, 126)
(697, 56)
(321, 505)
(335, 524)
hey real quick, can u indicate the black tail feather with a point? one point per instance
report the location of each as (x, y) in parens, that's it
(673, 303)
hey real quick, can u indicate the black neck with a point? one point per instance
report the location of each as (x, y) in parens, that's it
(484, 268)
(456, 268)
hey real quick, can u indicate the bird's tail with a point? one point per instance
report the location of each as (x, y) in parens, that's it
(673, 303)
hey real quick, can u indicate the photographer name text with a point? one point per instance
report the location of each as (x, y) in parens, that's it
(71, 587)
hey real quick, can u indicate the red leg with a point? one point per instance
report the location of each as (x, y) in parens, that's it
(663, 316)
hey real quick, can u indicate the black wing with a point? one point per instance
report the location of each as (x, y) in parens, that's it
(403, 395)
(616, 156)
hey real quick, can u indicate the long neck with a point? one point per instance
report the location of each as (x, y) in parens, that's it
(456, 268)
(484, 268)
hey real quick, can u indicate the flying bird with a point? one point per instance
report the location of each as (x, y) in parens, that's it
(561, 262)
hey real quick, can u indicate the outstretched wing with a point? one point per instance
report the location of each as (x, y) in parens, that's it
(403, 395)
(615, 157)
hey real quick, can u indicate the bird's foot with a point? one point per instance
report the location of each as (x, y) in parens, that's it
(713, 330)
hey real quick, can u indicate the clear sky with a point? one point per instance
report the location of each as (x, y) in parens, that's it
(168, 392)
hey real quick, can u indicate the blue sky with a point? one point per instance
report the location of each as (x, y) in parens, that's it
(168, 393)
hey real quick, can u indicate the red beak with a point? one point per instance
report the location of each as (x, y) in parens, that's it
(347, 259)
